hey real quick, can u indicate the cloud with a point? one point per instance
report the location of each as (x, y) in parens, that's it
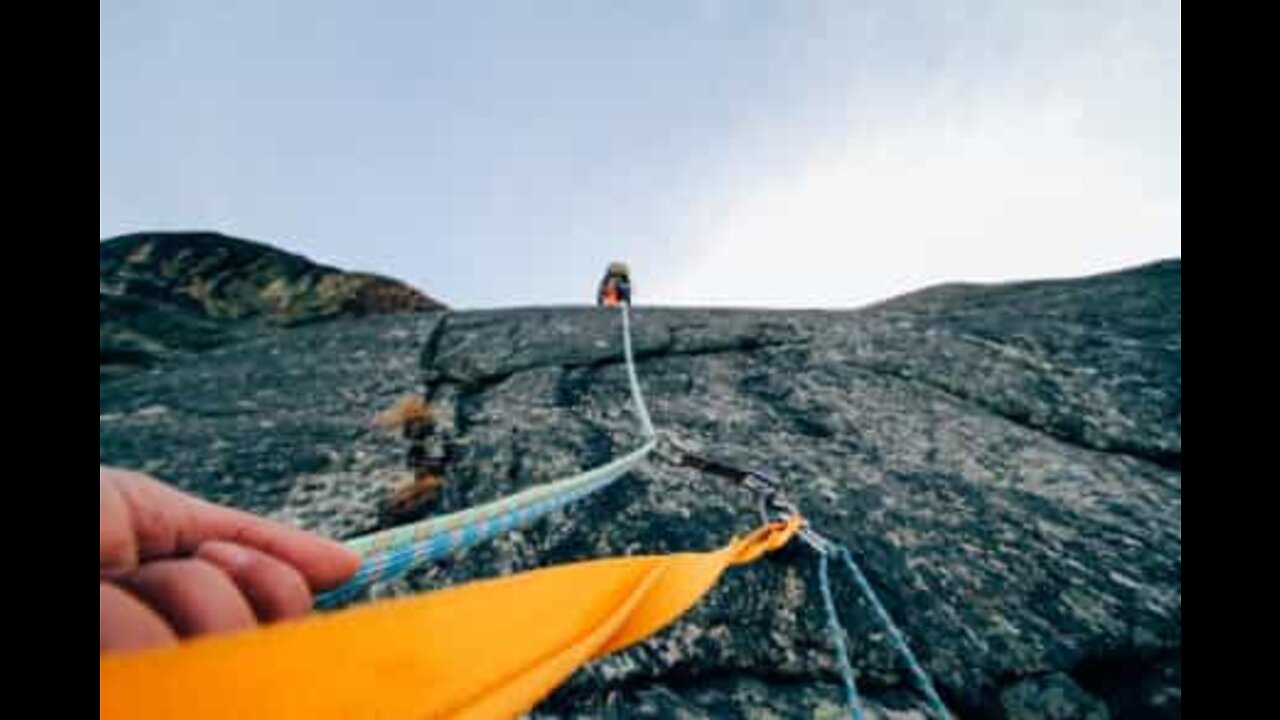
(1056, 165)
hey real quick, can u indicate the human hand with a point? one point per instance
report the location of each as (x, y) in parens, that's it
(173, 566)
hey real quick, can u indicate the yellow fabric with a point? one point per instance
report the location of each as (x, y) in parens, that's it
(488, 649)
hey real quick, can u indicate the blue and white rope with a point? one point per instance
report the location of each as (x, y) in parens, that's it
(825, 548)
(391, 553)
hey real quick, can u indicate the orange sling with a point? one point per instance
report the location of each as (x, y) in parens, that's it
(487, 649)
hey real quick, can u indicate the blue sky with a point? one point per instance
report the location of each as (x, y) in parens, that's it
(790, 154)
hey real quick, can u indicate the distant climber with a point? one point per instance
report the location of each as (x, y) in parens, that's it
(615, 288)
(425, 458)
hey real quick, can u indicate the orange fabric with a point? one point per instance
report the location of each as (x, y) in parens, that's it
(611, 294)
(488, 649)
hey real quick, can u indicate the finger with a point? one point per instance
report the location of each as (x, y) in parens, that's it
(117, 549)
(167, 522)
(194, 596)
(275, 589)
(125, 623)
(322, 562)
(141, 518)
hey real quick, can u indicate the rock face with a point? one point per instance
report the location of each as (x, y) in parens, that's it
(161, 293)
(1003, 461)
(1053, 697)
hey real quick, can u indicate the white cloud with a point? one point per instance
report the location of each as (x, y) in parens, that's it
(1055, 171)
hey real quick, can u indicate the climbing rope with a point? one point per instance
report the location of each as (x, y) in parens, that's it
(772, 500)
(836, 631)
(388, 554)
(471, 664)
(391, 553)
(646, 424)
(825, 548)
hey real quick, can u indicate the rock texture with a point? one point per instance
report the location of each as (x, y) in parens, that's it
(1004, 461)
(162, 294)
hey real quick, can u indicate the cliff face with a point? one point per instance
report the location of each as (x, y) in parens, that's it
(1004, 462)
(166, 293)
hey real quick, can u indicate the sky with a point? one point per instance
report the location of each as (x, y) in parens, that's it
(735, 153)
